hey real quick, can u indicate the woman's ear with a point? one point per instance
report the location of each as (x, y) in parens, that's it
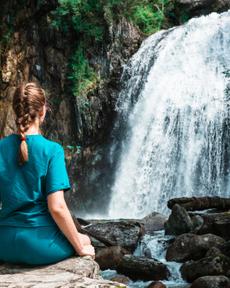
(42, 114)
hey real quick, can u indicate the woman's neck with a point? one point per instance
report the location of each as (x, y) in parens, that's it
(33, 129)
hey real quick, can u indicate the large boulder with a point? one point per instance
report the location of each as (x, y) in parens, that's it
(153, 222)
(122, 233)
(216, 223)
(179, 221)
(191, 246)
(201, 203)
(207, 266)
(211, 282)
(135, 267)
(72, 272)
(143, 268)
(110, 257)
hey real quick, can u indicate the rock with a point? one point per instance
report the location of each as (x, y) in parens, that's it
(198, 222)
(200, 203)
(211, 282)
(121, 279)
(153, 222)
(213, 252)
(179, 221)
(216, 223)
(110, 257)
(192, 8)
(156, 285)
(122, 233)
(208, 266)
(225, 248)
(220, 249)
(143, 268)
(191, 246)
(72, 272)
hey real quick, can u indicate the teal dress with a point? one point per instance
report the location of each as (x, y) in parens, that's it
(28, 233)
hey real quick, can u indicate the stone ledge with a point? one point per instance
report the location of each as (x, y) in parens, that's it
(70, 273)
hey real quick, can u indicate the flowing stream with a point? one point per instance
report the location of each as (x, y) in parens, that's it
(172, 131)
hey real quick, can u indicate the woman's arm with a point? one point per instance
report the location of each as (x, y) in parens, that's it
(61, 215)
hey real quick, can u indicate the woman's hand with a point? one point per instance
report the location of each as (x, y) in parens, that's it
(87, 250)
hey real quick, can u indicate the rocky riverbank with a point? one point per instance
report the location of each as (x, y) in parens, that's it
(199, 242)
(196, 236)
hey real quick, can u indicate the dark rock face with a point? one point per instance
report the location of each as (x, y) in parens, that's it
(218, 265)
(37, 52)
(190, 246)
(211, 282)
(143, 268)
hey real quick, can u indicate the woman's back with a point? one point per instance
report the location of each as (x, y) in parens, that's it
(24, 189)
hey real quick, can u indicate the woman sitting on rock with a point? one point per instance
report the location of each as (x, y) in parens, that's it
(36, 226)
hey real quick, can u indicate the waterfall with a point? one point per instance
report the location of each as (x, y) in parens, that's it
(171, 134)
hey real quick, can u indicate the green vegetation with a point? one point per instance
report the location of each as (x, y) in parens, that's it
(149, 16)
(89, 19)
(83, 76)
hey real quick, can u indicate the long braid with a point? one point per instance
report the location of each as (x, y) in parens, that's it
(28, 101)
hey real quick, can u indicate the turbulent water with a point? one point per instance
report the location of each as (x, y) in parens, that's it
(171, 135)
(155, 247)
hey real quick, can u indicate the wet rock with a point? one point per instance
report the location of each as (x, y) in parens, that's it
(110, 257)
(72, 272)
(218, 265)
(121, 279)
(179, 221)
(143, 268)
(225, 248)
(220, 249)
(200, 203)
(213, 252)
(191, 246)
(156, 285)
(216, 223)
(211, 282)
(116, 233)
(153, 222)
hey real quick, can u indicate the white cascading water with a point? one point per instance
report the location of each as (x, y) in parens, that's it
(175, 106)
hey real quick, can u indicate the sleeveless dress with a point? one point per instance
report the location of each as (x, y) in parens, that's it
(28, 233)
